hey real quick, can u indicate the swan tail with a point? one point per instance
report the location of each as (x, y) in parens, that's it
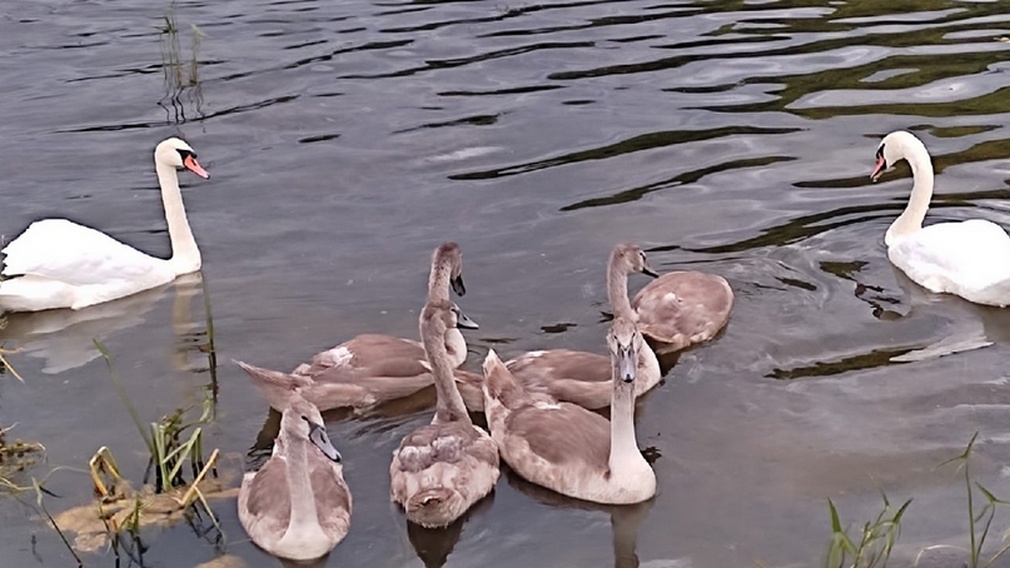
(500, 385)
(471, 388)
(434, 507)
(274, 386)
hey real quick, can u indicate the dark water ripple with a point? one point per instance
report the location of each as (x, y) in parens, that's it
(346, 139)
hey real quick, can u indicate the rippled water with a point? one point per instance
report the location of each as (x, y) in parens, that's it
(347, 139)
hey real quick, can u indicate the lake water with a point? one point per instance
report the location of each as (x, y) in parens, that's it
(347, 139)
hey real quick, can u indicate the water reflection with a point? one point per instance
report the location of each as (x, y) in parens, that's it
(625, 520)
(65, 339)
(181, 73)
(634, 144)
(956, 326)
(693, 176)
(732, 134)
(433, 546)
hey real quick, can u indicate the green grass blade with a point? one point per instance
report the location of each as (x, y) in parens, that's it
(121, 390)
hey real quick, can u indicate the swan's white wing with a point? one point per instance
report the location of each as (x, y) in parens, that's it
(61, 250)
(955, 257)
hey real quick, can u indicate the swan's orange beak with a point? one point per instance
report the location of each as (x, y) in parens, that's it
(195, 167)
(881, 166)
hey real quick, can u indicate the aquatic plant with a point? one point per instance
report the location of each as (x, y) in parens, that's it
(166, 442)
(177, 74)
(16, 457)
(170, 453)
(40, 491)
(5, 366)
(120, 512)
(980, 523)
(876, 539)
(180, 75)
(209, 347)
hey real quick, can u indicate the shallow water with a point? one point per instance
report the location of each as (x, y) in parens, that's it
(347, 139)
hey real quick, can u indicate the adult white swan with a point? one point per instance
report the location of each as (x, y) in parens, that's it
(57, 263)
(968, 258)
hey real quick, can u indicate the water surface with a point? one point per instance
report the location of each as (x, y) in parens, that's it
(347, 139)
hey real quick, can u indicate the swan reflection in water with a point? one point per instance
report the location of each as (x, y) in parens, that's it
(433, 546)
(961, 325)
(625, 520)
(65, 339)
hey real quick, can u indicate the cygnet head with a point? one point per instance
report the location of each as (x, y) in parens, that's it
(301, 421)
(631, 258)
(625, 342)
(893, 148)
(176, 153)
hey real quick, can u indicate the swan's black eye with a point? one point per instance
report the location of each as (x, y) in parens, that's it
(185, 153)
(305, 419)
(880, 152)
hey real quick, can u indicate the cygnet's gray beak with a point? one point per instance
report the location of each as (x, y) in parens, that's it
(627, 363)
(457, 286)
(319, 438)
(463, 321)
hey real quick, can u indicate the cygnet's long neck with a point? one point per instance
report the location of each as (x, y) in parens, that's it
(303, 500)
(438, 279)
(623, 443)
(185, 254)
(617, 289)
(911, 218)
(450, 404)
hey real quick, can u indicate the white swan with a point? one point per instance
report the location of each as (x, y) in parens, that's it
(297, 504)
(565, 447)
(579, 377)
(371, 368)
(57, 263)
(968, 258)
(442, 469)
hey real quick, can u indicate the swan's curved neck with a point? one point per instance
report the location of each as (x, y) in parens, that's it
(624, 453)
(617, 290)
(911, 218)
(438, 280)
(450, 404)
(303, 500)
(185, 254)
